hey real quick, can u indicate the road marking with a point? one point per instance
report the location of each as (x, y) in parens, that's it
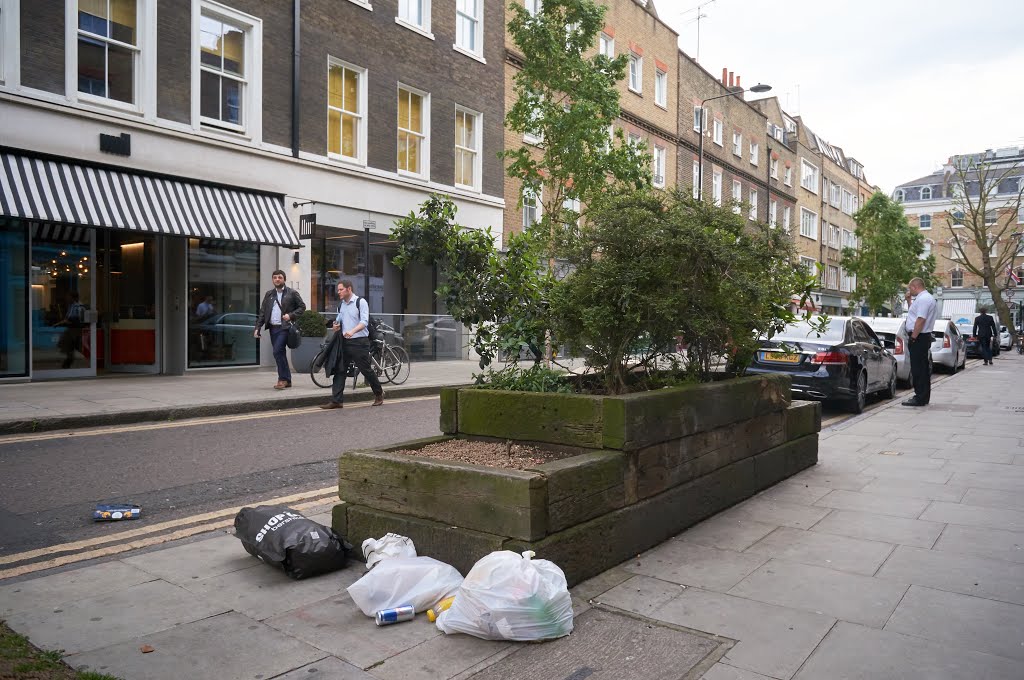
(316, 496)
(190, 422)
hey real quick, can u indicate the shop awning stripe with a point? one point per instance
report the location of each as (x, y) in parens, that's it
(41, 189)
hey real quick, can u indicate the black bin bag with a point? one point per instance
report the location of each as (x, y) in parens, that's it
(285, 539)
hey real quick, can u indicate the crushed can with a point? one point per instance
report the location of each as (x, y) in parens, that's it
(386, 617)
(119, 511)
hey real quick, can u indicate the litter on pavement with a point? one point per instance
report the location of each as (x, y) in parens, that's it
(117, 511)
(289, 541)
(419, 581)
(391, 545)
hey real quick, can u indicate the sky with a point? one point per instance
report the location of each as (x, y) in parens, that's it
(900, 85)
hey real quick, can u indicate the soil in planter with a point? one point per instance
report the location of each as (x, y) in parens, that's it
(510, 454)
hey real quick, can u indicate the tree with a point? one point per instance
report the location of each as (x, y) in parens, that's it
(889, 255)
(986, 202)
(567, 103)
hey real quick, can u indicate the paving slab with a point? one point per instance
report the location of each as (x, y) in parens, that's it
(875, 503)
(602, 583)
(723, 671)
(977, 623)
(908, 447)
(771, 640)
(692, 564)
(833, 479)
(439, 658)
(772, 512)
(641, 595)
(988, 480)
(100, 621)
(906, 488)
(193, 561)
(883, 528)
(988, 441)
(966, 574)
(974, 455)
(47, 592)
(728, 533)
(226, 647)
(329, 668)
(937, 476)
(789, 491)
(854, 652)
(970, 515)
(606, 645)
(993, 543)
(841, 595)
(827, 550)
(994, 498)
(261, 591)
(338, 627)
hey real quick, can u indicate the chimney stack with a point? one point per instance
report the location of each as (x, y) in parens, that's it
(725, 75)
(738, 82)
(730, 79)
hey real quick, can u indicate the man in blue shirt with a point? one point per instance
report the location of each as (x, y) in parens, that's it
(352, 321)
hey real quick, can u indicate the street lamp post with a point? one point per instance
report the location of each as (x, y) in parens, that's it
(760, 87)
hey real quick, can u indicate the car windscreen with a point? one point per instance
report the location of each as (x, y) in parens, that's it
(801, 331)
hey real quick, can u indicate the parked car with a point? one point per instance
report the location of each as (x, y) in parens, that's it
(845, 363)
(949, 345)
(972, 348)
(893, 333)
(1005, 339)
(439, 338)
(228, 338)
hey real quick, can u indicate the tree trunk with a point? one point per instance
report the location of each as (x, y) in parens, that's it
(1002, 309)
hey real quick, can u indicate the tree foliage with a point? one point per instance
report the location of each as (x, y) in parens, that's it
(889, 255)
(986, 203)
(567, 102)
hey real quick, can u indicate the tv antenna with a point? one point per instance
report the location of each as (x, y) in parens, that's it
(700, 15)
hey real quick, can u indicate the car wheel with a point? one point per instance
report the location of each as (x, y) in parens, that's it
(858, 401)
(955, 367)
(963, 362)
(889, 391)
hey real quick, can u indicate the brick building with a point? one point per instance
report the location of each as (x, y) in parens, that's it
(929, 205)
(160, 153)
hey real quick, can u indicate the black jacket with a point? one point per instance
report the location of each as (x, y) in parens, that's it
(984, 326)
(291, 304)
(334, 354)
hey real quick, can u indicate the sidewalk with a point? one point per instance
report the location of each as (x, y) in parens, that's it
(117, 399)
(900, 555)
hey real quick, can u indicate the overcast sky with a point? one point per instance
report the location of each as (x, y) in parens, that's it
(900, 85)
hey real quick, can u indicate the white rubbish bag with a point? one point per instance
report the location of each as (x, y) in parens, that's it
(391, 545)
(418, 581)
(506, 596)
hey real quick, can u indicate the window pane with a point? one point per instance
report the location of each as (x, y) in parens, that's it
(13, 325)
(351, 91)
(333, 131)
(403, 109)
(416, 113)
(349, 136)
(231, 101)
(460, 171)
(335, 80)
(403, 153)
(209, 41)
(234, 50)
(92, 71)
(209, 95)
(228, 273)
(92, 16)
(121, 73)
(414, 154)
(123, 21)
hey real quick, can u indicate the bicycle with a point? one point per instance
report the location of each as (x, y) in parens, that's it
(390, 362)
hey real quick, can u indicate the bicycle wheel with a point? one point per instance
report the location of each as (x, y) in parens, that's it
(319, 375)
(396, 365)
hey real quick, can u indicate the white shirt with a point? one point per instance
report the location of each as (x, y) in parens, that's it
(922, 306)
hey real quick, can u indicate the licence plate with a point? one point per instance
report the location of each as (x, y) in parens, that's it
(782, 357)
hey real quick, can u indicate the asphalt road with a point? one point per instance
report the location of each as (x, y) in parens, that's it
(50, 483)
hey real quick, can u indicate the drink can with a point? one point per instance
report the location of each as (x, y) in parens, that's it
(388, 616)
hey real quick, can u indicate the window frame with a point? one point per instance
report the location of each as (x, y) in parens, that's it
(809, 178)
(737, 196)
(716, 186)
(606, 45)
(809, 264)
(660, 88)
(537, 207)
(10, 48)
(477, 53)
(424, 170)
(773, 168)
(696, 177)
(737, 144)
(787, 176)
(755, 153)
(533, 7)
(423, 28)
(662, 153)
(718, 132)
(638, 60)
(953, 277)
(697, 119)
(921, 222)
(787, 218)
(752, 199)
(929, 196)
(478, 135)
(813, 236)
(773, 213)
(361, 137)
(252, 93)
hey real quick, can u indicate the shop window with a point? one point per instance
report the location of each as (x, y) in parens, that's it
(224, 299)
(14, 277)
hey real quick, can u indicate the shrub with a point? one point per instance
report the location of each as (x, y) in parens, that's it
(311, 324)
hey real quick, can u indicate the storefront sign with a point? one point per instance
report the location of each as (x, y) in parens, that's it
(306, 224)
(120, 146)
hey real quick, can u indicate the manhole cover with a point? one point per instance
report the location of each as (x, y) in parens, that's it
(606, 646)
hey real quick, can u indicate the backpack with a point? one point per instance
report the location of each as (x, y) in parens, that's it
(76, 314)
(373, 323)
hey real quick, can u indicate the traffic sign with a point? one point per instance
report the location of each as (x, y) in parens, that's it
(1008, 294)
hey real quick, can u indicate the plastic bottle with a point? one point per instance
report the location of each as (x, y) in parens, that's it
(444, 604)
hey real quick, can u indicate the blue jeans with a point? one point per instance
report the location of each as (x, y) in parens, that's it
(279, 340)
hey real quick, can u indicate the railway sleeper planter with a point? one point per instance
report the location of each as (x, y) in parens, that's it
(637, 469)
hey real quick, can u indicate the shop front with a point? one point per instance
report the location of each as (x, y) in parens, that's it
(109, 271)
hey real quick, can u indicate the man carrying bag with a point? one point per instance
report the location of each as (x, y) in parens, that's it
(281, 306)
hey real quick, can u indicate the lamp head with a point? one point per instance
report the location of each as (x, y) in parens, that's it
(761, 87)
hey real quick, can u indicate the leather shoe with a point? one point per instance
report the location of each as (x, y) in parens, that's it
(287, 383)
(913, 402)
(332, 404)
(280, 385)
(378, 400)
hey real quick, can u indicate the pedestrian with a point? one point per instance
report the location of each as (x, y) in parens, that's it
(205, 308)
(984, 330)
(920, 321)
(70, 340)
(352, 322)
(281, 305)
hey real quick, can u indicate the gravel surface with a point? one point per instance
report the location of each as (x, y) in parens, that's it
(493, 454)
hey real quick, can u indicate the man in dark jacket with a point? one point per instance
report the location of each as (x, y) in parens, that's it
(984, 330)
(281, 305)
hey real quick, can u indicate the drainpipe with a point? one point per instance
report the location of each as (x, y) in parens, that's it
(296, 94)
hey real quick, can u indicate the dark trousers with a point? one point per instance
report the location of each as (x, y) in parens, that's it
(357, 351)
(985, 347)
(920, 368)
(279, 340)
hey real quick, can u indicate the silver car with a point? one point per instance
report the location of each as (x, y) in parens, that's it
(949, 347)
(893, 333)
(1005, 339)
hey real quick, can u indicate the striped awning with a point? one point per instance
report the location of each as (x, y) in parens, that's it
(955, 309)
(40, 189)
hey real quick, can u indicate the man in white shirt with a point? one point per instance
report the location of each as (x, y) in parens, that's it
(920, 321)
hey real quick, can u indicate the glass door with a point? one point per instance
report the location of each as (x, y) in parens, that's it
(63, 320)
(127, 330)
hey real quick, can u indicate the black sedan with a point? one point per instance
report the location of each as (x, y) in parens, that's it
(844, 363)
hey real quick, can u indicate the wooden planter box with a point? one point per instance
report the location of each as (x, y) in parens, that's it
(644, 467)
